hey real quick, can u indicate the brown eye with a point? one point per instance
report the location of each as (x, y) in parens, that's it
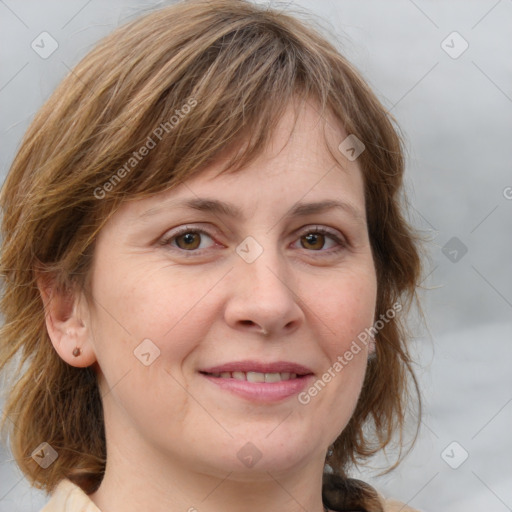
(321, 240)
(188, 241)
(314, 241)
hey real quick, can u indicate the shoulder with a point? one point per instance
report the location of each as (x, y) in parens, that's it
(68, 497)
(391, 505)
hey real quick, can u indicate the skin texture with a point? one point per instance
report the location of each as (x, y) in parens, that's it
(173, 436)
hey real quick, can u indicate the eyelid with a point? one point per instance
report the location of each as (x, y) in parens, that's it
(315, 228)
(184, 229)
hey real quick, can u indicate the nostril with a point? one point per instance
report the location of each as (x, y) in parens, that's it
(290, 325)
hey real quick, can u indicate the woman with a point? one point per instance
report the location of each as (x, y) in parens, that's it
(205, 272)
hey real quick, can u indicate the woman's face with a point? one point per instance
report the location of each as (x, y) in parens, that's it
(184, 283)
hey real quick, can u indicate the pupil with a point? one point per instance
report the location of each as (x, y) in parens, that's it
(314, 239)
(189, 240)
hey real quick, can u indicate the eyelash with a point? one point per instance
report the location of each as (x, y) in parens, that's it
(317, 230)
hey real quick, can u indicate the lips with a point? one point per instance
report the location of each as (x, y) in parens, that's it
(258, 367)
(259, 382)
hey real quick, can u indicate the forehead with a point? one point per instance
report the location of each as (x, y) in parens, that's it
(303, 133)
(300, 164)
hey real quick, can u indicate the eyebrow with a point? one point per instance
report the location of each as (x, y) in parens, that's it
(230, 210)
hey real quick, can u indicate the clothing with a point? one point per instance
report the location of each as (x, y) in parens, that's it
(68, 497)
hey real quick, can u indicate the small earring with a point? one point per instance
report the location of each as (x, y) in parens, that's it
(77, 352)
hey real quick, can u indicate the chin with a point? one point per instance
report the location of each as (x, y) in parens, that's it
(258, 461)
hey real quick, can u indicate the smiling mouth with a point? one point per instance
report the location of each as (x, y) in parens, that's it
(259, 382)
(256, 376)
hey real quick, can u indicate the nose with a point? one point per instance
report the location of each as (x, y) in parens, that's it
(263, 296)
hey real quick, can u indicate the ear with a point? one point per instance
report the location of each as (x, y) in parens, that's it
(65, 309)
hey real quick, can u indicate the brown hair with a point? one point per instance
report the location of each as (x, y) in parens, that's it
(236, 66)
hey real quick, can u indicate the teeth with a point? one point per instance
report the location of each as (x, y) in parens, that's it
(256, 376)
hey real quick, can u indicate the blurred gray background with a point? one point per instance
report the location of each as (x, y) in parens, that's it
(444, 70)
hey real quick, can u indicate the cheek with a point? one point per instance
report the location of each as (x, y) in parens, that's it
(143, 304)
(144, 330)
(346, 309)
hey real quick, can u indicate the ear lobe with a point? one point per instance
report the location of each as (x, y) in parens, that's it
(68, 333)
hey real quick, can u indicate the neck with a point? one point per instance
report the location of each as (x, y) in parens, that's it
(153, 482)
(196, 492)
